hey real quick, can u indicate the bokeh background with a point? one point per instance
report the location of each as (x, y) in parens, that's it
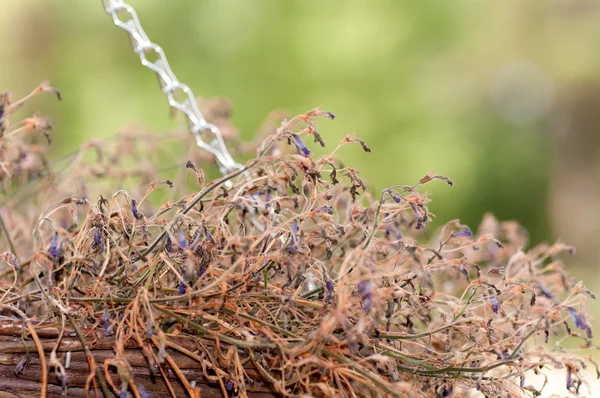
(502, 96)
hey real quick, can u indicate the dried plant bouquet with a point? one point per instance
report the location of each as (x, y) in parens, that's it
(123, 275)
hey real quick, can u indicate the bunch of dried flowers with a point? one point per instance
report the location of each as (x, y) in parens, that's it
(286, 277)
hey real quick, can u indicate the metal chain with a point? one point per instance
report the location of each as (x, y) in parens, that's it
(169, 84)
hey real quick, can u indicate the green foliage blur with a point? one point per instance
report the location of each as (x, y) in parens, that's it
(470, 89)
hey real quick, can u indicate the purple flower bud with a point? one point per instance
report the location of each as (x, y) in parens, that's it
(202, 270)
(229, 386)
(195, 239)
(123, 393)
(389, 230)
(300, 145)
(569, 378)
(420, 224)
(134, 210)
(143, 392)
(328, 290)
(182, 288)
(293, 247)
(364, 290)
(148, 328)
(545, 290)
(169, 244)
(108, 326)
(181, 241)
(14, 261)
(325, 209)
(466, 232)
(397, 198)
(98, 236)
(495, 304)
(196, 234)
(208, 235)
(580, 322)
(415, 209)
(54, 247)
(577, 318)
(20, 366)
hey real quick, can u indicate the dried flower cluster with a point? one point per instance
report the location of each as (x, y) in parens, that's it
(285, 278)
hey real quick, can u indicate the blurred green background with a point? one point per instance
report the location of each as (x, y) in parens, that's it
(503, 97)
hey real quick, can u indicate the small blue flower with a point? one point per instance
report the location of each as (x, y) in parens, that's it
(106, 320)
(300, 145)
(143, 392)
(325, 209)
(202, 271)
(293, 247)
(328, 291)
(98, 236)
(208, 235)
(466, 232)
(14, 261)
(364, 290)
(195, 239)
(181, 241)
(577, 318)
(420, 224)
(389, 230)
(545, 291)
(495, 304)
(580, 322)
(415, 209)
(54, 247)
(169, 244)
(196, 234)
(134, 210)
(420, 218)
(182, 288)
(20, 366)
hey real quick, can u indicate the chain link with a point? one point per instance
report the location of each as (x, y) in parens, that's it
(169, 84)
